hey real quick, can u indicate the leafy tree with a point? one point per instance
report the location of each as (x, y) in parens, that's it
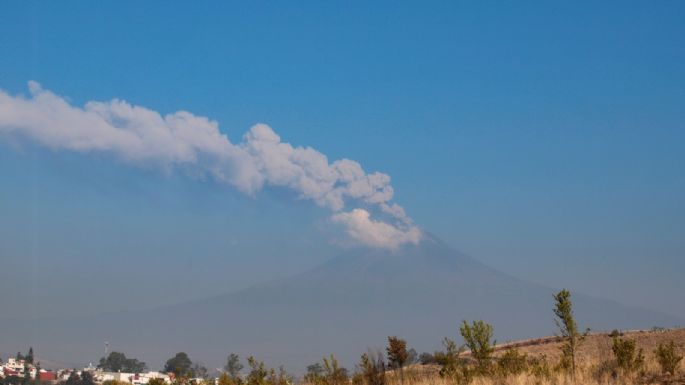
(73, 379)
(568, 329)
(397, 354)
(19, 356)
(29, 357)
(118, 362)
(627, 357)
(86, 378)
(667, 357)
(477, 338)
(180, 365)
(372, 369)
(413, 356)
(314, 374)
(426, 358)
(258, 372)
(198, 370)
(37, 376)
(233, 367)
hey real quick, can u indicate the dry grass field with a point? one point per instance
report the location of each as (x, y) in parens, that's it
(597, 345)
(594, 355)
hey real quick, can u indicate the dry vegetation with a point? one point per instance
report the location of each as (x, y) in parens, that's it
(596, 345)
(575, 357)
(596, 363)
(572, 357)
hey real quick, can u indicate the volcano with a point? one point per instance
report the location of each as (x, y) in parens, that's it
(345, 306)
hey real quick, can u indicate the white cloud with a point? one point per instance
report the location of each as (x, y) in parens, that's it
(361, 227)
(308, 172)
(194, 144)
(134, 134)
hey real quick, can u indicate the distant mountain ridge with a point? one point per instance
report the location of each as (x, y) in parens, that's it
(346, 306)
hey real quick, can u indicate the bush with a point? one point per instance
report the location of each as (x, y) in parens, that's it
(280, 377)
(333, 373)
(478, 338)
(224, 379)
(605, 369)
(539, 367)
(512, 362)
(372, 369)
(449, 359)
(452, 366)
(628, 359)
(314, 374)
(667, 357)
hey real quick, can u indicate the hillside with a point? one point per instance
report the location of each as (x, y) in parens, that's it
(594, 359)
(597, 344)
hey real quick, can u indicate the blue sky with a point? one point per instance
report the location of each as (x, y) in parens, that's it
(543, 139)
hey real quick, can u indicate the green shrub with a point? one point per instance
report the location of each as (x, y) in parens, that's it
(512, 362)
(667, 357)
(478, 338)
(628, 359)
(449, 359)
(453, 367)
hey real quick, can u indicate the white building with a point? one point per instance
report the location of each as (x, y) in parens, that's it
(132, 378)
(15, 365)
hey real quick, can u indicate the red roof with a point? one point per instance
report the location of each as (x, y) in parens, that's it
(48, 376)
(9, 372)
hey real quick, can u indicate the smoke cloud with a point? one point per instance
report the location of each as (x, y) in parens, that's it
(367, 231)
(195, 145)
